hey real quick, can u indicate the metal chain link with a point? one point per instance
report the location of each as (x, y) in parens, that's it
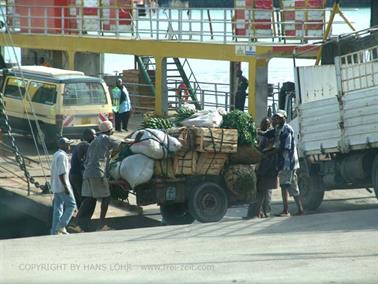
(18, 155)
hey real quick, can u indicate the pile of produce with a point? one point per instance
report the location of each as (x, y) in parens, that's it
(183, 113)
(241, 181)
(245, 125)
(208, 142)
(157, 123)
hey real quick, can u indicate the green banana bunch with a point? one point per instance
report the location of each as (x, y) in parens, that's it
(184, 113)
(157, 123)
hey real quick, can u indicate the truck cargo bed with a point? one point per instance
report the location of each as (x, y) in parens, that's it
(339, 106)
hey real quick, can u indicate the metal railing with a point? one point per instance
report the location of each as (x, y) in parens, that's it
(202, 25)
(210, 95)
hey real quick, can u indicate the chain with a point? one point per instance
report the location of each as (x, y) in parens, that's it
(18, 155)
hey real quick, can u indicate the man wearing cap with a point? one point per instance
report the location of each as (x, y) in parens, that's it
(95, 181)
(287, 161)
(64, 202)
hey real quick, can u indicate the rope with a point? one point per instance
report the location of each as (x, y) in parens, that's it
(18, 156)
(215, 151)
(165, 146)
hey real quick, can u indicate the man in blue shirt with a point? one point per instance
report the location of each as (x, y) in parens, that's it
(121, 106)
(287, 161)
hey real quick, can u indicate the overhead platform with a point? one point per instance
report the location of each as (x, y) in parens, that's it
(255, 35)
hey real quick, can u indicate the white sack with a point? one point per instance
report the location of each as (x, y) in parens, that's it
(204, 119)
(154, 143)
(137, 169)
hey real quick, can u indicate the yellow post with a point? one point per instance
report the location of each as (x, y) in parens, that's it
(252, 87)
(159, 106)
(335, 10)
(70, 60)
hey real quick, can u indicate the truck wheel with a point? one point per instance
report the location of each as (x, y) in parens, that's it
(176, 214)
(208, 202)
(374, 176)
(311, 189)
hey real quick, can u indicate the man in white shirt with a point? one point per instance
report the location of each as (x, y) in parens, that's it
(64, 203)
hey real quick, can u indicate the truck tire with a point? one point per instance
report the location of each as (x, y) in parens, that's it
(208, 202)
(176, 214)
(311, 189)
(374, 175)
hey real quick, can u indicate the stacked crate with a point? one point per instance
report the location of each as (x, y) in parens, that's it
(141, 96)
(205, 151)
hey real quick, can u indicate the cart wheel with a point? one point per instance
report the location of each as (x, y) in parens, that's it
(176, 214)
(208, 202)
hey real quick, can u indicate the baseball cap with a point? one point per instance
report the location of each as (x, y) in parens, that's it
(281, 113)
(64, 141)
(105, 126)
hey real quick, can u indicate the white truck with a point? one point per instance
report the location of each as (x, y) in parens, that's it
(336, 109)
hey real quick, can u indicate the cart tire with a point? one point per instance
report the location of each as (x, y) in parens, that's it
(208, 202)
(176, 214)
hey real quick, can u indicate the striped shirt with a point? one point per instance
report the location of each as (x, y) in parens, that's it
(285, 141)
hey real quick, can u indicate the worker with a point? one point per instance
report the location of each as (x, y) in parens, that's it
(77, 168)
(287, 162)
(95, 180)
(266, 173)
(121, 106)
(64, 203)
(241, 92)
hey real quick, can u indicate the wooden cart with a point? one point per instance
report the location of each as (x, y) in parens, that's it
(195, 184)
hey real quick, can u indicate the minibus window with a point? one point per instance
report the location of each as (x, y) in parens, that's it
(84, 93)
(15, 88)
(43, 93)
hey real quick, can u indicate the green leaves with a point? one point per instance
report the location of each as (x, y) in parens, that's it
(245, 125)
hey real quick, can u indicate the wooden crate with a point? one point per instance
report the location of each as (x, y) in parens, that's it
(131, 76)
(216, 140)
(184, 163)
(211, 163)
(164, 168)
(185, 135)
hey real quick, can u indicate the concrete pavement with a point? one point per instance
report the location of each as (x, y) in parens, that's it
(337, 247)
